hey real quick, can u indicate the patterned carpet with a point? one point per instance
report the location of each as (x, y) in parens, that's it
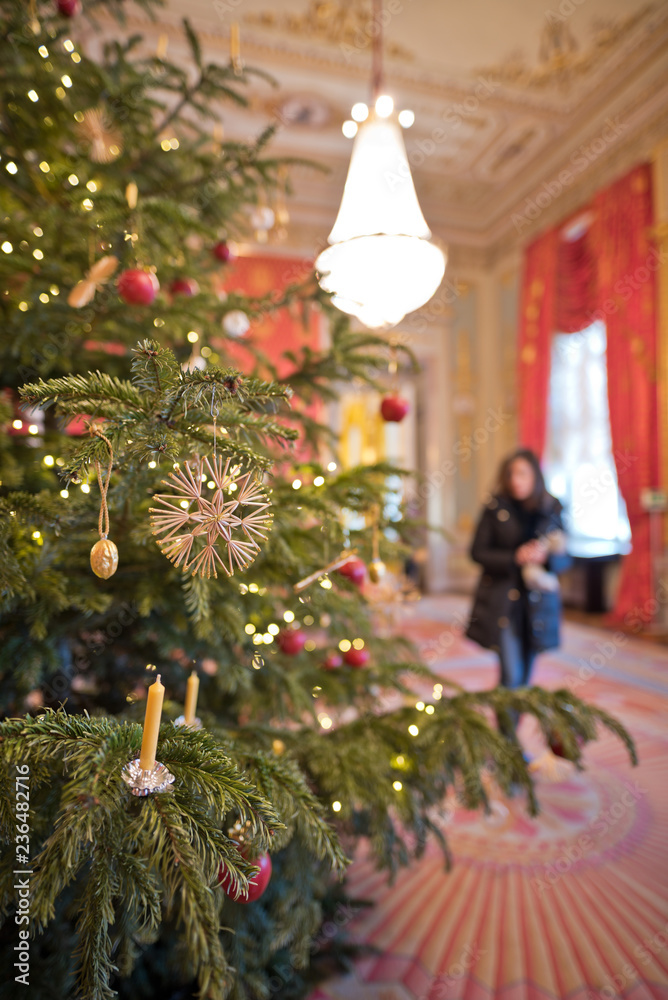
(571, 904)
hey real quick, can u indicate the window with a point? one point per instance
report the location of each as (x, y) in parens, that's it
(579, 463)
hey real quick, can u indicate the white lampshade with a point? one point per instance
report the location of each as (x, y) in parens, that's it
(381, 264)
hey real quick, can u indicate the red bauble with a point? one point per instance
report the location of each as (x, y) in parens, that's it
(138, 288)
(332, 661)
(69, 8)
(258, 883)
(393, 409)
(356, 657)
(221, 251)
(291, 641)
(354, 569)
(184, 286)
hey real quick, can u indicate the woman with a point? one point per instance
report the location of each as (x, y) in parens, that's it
(520, 544)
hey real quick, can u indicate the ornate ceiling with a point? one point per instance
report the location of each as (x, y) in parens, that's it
(514, 101)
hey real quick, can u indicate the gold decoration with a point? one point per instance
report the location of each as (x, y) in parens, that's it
(131, 195)
(84, 291)
(104, 558)
(561, 63)
(186, 518)
(104, 554)
(340, 22)
(376, 566)
(104, 139)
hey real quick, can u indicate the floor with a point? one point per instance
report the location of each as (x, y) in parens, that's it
(571, 904)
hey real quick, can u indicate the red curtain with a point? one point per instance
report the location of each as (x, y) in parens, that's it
(607, 273)
(536, 328)
(627, 302)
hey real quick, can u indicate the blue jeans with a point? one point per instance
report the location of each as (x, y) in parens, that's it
(516, 656)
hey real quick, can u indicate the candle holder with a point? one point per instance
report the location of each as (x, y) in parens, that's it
(141, 782)
(195, 724)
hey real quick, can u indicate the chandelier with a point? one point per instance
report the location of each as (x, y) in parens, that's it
(381, 264)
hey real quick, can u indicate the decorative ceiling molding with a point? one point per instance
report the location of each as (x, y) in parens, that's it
(347, 23)
(562, 63)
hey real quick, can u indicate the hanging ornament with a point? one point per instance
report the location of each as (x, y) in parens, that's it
(184, 286)
(137, 287)
(237, 504)
(104, 139)
(131, 195)
(221, 251)
(84, 291)
(332, 661)
(354, 569)
(241, 834)
(69, 8)
(258, 884)
(356, 657)
(291, 641)
(394, 408)
(376, 566)
(236, 323)
(262, 219)
(104, 554)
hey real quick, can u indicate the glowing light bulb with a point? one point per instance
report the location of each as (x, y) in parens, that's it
(288, 616)
(360, 111)
(37, 254)
(11, 167)
(64, 494)
(397, 786)
(49, 460)
(384, 106)
(273, 629)
(319, 480)
(33, 429)
(17, 424)
(85, 488)
(152, 465)
(345, 645)
(66, 80)
(331, 466)
(336, 807)
(193, 336)
(33, 95)
(296, 483)
(349, 129)
(7, 247)
(44, 167)
(249, 628)
(406, 118)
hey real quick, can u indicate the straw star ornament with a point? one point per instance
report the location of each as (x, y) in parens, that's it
(193, 526)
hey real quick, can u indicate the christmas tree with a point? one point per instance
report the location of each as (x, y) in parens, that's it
(126, 429)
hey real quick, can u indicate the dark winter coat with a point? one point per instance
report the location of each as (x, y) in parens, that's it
(501, 595)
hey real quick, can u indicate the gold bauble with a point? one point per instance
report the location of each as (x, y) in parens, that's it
(104, 558)
(376, 570)
(278, 746)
